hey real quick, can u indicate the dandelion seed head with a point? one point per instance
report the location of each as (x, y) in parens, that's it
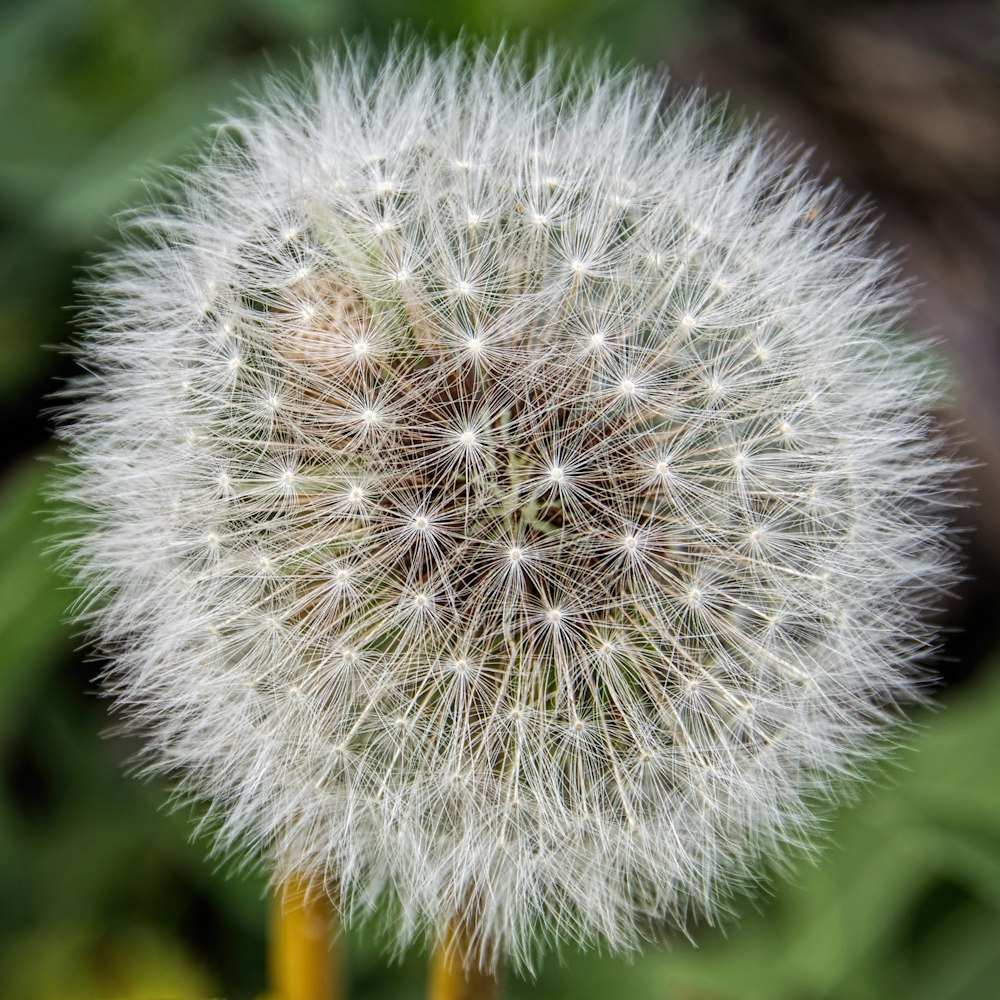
(498, 497)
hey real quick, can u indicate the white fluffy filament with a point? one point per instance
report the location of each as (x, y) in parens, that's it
(504, 493)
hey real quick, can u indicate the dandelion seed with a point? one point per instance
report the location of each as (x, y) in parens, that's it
(551, 572)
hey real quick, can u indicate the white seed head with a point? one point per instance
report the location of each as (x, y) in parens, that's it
(686, 529)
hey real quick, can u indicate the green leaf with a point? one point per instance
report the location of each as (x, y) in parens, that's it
(33, 600)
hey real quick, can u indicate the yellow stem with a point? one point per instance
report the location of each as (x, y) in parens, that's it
(450, 979)
(303, 960)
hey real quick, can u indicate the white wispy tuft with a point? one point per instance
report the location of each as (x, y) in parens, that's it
(506, 493)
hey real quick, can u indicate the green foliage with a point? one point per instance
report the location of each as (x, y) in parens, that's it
(102, 893)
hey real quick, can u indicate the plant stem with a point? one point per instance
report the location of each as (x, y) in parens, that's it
(450, 978)
(303, 958)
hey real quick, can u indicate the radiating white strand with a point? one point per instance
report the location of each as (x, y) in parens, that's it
(504, 489)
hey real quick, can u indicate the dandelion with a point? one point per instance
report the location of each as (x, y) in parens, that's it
(507, 496)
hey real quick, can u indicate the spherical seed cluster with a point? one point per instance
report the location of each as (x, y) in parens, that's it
(505, 496)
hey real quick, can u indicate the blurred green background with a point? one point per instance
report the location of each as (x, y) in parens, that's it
(102, 892)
